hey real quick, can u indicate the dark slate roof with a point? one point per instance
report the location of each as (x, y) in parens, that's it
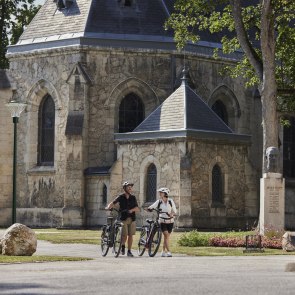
(182, 110)
(4, 80)
(183, 114)
(145, 18)
(105, 23)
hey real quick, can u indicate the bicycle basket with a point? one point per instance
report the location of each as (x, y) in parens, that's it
(110, 220)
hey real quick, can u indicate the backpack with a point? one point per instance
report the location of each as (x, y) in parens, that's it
(160, 202)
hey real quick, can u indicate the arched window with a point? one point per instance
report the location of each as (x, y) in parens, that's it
(219, 108)
(289, 149)
(104, 195)
(217, 185)
(151, 183)
(131, 113)
(46, 124)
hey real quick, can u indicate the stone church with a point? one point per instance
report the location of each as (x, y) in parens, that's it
(108, 99)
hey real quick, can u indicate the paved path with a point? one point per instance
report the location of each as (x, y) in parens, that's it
(146, 276)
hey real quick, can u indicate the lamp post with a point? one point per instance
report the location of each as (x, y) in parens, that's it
(15, 109)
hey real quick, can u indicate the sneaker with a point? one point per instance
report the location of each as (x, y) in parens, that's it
(129, 254)
(163, 254)
(123, 251)
(169, 254)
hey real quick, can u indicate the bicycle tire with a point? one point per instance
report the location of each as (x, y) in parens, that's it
(155, 241)
(117, 240)
(142, 241)
(104, 241)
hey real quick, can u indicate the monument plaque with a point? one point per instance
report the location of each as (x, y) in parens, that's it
(272, 194)
(274, 199)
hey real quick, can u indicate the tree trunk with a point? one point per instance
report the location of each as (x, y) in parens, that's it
(268, 89)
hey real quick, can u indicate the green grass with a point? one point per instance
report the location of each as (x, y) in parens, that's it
(93, 237)
(28, 259)
(57, 236)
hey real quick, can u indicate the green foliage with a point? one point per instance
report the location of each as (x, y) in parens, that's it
(200, 239)
(194, 239)
(192, 16)
(271, 240)
(15, 15)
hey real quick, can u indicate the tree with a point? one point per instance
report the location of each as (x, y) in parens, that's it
(265, 32)
(14, 16)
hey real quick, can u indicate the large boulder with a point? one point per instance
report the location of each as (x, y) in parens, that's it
(288, 241)
(19, 240)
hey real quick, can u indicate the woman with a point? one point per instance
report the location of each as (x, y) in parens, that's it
(166, 218)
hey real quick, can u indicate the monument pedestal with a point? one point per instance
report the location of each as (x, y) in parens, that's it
(272, 202)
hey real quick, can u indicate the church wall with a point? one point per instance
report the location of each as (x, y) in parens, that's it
(6, 161)
(42, 189)
(113, 74)
(135, 161)
(232, 160)
(116, 74)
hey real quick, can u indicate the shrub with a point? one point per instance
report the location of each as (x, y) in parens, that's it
(194, 239)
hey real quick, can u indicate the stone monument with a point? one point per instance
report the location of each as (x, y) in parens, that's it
(272, 194)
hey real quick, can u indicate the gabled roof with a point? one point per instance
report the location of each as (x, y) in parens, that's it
(183, 110)
(182, 114)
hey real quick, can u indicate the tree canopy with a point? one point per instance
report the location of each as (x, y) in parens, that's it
(264, 31)
(14, 16)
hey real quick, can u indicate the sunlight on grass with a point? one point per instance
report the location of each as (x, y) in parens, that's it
(57, 236)
(28, 259)
(93, 237)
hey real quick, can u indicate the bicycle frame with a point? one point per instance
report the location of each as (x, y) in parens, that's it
(150, 231)
(110, 232)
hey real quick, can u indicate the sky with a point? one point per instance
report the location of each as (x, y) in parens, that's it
(37, 2)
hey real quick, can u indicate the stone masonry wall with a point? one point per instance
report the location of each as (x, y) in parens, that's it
(39, 187)
(113, 74)
(6, 161)
(232, 160)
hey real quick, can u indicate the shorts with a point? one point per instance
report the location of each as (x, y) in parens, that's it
(167, 227)
(129, 227)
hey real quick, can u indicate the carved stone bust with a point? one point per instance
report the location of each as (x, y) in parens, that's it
(272, 157)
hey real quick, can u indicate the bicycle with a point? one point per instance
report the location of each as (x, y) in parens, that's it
(111, 235)
(150, 236)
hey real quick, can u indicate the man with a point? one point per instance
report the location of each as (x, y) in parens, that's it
(128, 207)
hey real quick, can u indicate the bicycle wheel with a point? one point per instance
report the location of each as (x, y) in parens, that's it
(117, 240)
(142, 240)
(155, 241)
(104, 241)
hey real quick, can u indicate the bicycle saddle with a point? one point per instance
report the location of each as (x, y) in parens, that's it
(149, 221)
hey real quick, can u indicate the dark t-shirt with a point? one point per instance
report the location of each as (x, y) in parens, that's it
(126, 204)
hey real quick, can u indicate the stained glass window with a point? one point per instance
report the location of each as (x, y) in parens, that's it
(46, 132)
(151, 183)
(131, 113)
(217, 185)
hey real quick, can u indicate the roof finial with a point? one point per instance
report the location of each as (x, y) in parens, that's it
(185, 70)
(184, 75)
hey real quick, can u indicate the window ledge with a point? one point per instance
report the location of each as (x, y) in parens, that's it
(38, 170)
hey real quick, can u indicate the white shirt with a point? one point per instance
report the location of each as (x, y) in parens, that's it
(166, 207)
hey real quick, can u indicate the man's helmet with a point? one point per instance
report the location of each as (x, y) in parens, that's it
(164, 190)
(126, 183)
